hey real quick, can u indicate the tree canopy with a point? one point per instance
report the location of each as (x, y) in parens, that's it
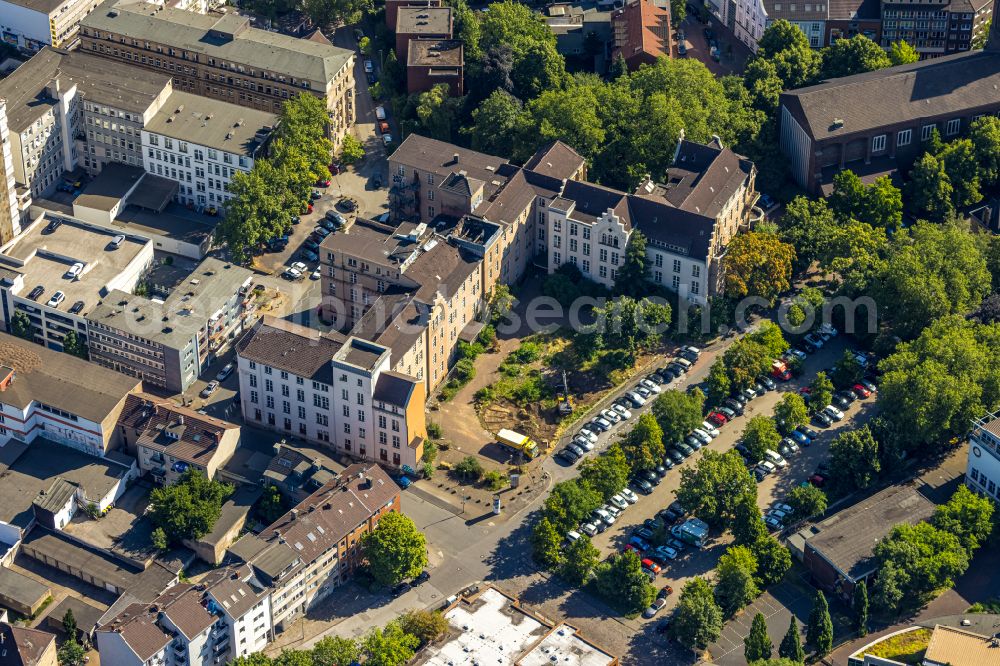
(697, 621)
(711, 489)
(189, 508)
(395, 549)
(678, 413)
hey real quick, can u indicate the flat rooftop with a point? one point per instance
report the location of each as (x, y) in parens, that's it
(209, 122)
(28, 469)
(26, 591)
(110, 186)
(423, 20)
(435, 53)
(43, 258)
(174, 221)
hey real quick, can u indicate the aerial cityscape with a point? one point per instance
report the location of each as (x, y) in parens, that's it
(512, 332)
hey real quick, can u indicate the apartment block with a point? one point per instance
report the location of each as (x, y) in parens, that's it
(869, 123)
(430, 62)
(313, 549)
(225, 616)
(200, 143)
(61, 396)
(222, 57)
(982, 472)
(421, 23)
(934, 28)
(168, 440)
(169, 342)
(332, 390)
(66, 110)
(392, 9)
(31, 25)
(749, 22)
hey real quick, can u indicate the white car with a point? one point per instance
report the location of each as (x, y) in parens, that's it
(605, 516)
(601, 423)
(650, 385)
(589, 435)
(74, 271)
(612, 416)
(293, 274)
(618, 501)
(814, 339)
(833, 413)
(636, 399)
(710, 429)
(589, 529)
(624, 413)
(56, 299)
(795, 353)
(701, 436)
(766, 467)
(643, 391)
(773, 523)
(829, 330)
(583, 443)
(117, 241)
(315, 275)
(612, 509)
(780, 506)
(299, 266)
(225, 372)
(629, 496)
(777, 513)
(572, 536)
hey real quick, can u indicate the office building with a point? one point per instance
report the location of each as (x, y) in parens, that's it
(982, 473)
(934, 29)
(222, 57)
(169, 342)
(332, 390)
(421, 23)
(31, 25)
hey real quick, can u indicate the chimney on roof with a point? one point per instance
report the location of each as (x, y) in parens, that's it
(295, 513)
(677, 151)
(455, 158)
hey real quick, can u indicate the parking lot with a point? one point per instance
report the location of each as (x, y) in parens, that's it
(694, 562)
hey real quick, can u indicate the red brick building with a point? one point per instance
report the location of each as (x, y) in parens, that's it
(421, 23)
(392, 9)
(433, 61)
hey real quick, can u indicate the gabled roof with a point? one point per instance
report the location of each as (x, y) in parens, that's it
(177, 431)
(300, 350)
(22, 646)
(556, 160)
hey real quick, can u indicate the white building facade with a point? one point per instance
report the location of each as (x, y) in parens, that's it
(982, 472)
(202, 173)
(750, 22)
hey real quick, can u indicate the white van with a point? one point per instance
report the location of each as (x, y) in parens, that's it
(683, 362)
(775, 458)
(380, 112)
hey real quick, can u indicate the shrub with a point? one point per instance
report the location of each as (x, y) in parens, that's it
(434, 430)
(468, 467)
(494, 480)
(528, 352)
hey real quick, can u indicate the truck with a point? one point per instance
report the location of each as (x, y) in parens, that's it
(692, 531)
(779, 370)
(517, 443)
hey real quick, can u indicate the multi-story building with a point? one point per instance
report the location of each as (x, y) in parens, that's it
(641, 31)
(168, 343)
(10, 210)
(982, 472)
(831, 126)
(314, 548)
(392, 9)
(225, 616)
(31, 26)
(934, 29)
(432, 61)
(222, 57)
(749, 22)
(856, 17)
(35, 281)
(421, 23)
(28, 647)
(579, 28)
(168, 440)
(57, 103)
(809, 17)
(200, 143)
(61, 396)
(333, 390)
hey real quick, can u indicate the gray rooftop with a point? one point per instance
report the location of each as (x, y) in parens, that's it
(174, 321)
(211, 123)
(300, 59)
(29, 469)
(44, 6)
(20, 588)
(121, 86)
(56, 496)
(423, 20)
(109, 187)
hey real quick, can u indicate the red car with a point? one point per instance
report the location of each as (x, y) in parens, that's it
(323, 182)
(817, 480)
(861, 390)
(632, 548)
(650, 565)
(717, 419)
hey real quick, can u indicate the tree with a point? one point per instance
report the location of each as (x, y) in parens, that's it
(335, 651)
(20, 325)
(302, 129)
(819, 631)
(390, 646)
(643, 445)
(678, 413)
(860, 607)
(980, 38)
(189, 508)
(569, 502)
(787, 47)
(608, 474)
(545, 543)
(745, 361)
(697, 621)
(768, 335)
(352, 150)
(579, 561)
(807, 225)
(631, 279)
(497, 121)
(718, 382)
(619, 67)
(901, 53)
(916, 560)
(678, 12)
(758, 265)
(759, 435)
(968, 516)
(255, 659)
(748, 525)
(930, 189)
(426, 625)
(271, 505)
(806, 501)
(73, 346)
(69, 623)
(536, 65)
(735, 586)
(71, 653)
(820, 392)
(854, 459)
(962, 167)
(780, 36)
(467, 30)
(331, 12)
(395, 549)
(856, 55)
(773, 560)
(757, 644)
(791, 644)
(880, 204)
(623, 583)
(711, 490)
(261, 208)
(984, 133)
(159, 540)
(790, 412)
(469, 467)
(848, 370)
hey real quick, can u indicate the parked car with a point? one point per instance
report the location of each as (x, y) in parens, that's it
(644, 486)
(590, 529)
(701, 436)
(56, 299)
(117, 241)
(791, 444)
(733, 405)
(36, 292)
(578, 450)
(629, 496)
(76, 307)
(717, 419)
(710, 429)
(861, 390)
(773, 523)
(768, 383)
(674, 455)
(589, 434)
(227, 370)
(74, 271)
(684, 449)
(822, 420)
(622, 411)
(834, 413)
(650, 565)
(611, 416)
(799, 438)
(814, 340)
(807, 431)
(727, 412)
(569, 455)
(209, 389)
(401, 589)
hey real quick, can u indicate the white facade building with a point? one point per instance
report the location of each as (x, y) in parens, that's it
(750, 22)
(982, 472)
(200, 143)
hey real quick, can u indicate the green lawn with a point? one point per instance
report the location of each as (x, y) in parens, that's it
(907, 648)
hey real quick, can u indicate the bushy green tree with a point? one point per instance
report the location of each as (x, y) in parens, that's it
(426, 625)
(20, 325)
(806, 501)
(643, 445)
(791, 644)
(758, 265)
(759, 435)
(901, 53)
(569, 502)
(856, 55)
(758, 644)
(623, 583)
(712, 488)
(819, 631)
(860, 608)
(855, 460)
(579, 561)
(335, 651)
(608, 474)
(916, 560)
(632, 274)
(735, 585)
(73, 346)
(678, 413)
(773, 560)
(189, 508)
(395, 549)
(545, 543)
(820, 392)
(351, 150)
(790, 412)
(968, 516)
(390, 646)
(697, 621)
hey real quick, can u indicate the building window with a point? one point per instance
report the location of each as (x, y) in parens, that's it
(878, 143)
(953, 126)
(926, 132)
(903, 138)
